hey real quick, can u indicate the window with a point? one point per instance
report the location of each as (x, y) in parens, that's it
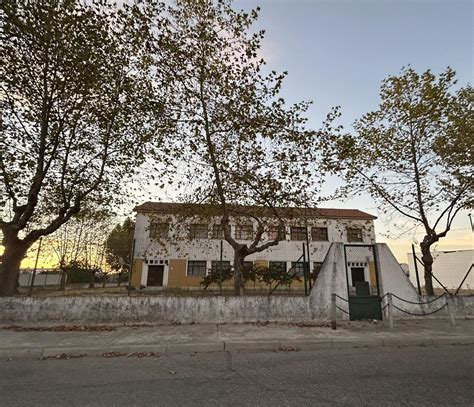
(197, 267)
(319, 234)
(248, 265)
(198, 231)
(298, 268)
(354, 235)
(244, 232)
(317, 265)
(159, 230)
(273, 232)
(298, 233)
(217, 231)
(216, 266)
(316, 269)
(277, 266)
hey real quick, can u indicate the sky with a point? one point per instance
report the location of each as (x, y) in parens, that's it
(337, 52)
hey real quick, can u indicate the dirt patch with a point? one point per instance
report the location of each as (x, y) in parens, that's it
(132, 354)
(61, 328)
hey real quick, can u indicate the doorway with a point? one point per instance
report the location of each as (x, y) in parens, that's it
(364, 296)
(358, 275)
(155, 276)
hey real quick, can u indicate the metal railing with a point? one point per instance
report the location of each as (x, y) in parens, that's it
(390, 306)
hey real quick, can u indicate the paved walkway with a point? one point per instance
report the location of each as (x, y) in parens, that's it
(37, 342)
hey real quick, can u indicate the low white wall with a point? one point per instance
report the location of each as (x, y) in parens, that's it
(157, 309)
(463, 307)
(40, 279)
(164, 309)
(185, 310)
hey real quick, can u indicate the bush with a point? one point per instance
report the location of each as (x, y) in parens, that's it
(78, 273)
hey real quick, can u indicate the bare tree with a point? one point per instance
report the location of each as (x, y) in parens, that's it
(72, 243)
(414, 154)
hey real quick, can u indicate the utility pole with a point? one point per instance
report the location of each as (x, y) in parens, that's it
(34, 270)
(220, 268)
(130, 269)
(416, 269)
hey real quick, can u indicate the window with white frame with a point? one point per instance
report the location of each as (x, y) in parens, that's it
(197, 267)
(159, 230)
(244, 232)
(319, 234)
(354, 235)
(316, 269)
(248, 266)
(298, 233)
(273, 232)
(299, 268)
(277, 266)
(217, 266)
(198, 231)
(217, 231)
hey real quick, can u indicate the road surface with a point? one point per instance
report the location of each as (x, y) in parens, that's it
(418, 376)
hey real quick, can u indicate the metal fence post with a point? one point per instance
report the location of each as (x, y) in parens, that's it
(30, 290)
(333, 311)
(450, 307)
(390, 310)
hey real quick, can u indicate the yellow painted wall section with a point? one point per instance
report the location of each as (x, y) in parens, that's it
(373, 276)
(261, 263)
(137, 273)
(177, 275)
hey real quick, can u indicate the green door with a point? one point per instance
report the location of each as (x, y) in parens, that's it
(362, 308)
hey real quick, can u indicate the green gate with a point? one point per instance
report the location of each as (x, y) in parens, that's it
(362, 276)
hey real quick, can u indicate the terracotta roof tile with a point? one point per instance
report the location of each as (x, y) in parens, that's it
(330, 213)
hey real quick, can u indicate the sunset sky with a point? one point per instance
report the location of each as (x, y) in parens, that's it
(338, 52)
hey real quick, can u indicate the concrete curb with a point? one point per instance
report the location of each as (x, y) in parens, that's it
(230, 346)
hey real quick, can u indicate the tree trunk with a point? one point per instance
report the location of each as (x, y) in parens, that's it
(239, 284)
(92, 282)
(62, 283)
(427, 260)
(10, 266)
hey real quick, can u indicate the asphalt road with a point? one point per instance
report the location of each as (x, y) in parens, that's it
(441, 376)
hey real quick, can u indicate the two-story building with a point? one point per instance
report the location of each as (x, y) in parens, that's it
(176, 245)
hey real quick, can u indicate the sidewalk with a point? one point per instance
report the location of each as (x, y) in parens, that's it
(40, 342)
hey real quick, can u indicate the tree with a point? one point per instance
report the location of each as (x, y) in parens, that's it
(414, 154)
(242, 144)
(277, 275)
(219, 276)
(72, 242)
(79, 108)
(118, 251)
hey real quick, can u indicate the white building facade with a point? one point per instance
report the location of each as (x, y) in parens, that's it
(176, 247)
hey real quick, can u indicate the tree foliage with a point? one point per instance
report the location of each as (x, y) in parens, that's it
(242, 143)
(273, 277)
(415, 153)
(79, 108)
(118, 251)
(218, 276)
(277, 276)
